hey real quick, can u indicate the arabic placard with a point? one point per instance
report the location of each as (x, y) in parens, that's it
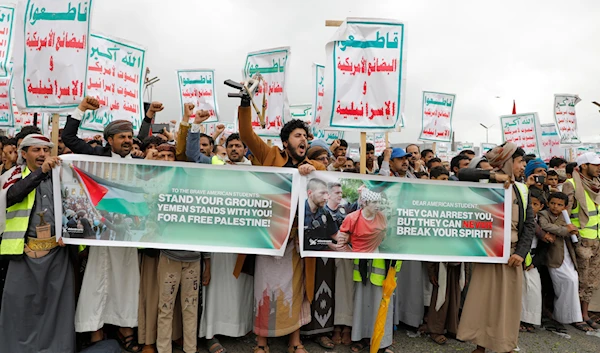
(319, 92)
(486, 147)
(7, 118)
(115, 78)
(523, 130)
(301, 111)
(354, 154)
(182, 206)
(51, 54)
(405, 219)
(442, 153)
(365, 76)
(436, 119)
(271, 96)
(463, 146)
(550, 142)
(210, 129)
(566, 118)
(7, 17)
(198, 87)
(378, 140)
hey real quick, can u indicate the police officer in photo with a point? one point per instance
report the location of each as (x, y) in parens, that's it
(334, 203)
(319, 226)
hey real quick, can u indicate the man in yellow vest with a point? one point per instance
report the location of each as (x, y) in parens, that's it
(38, 301)
(584, 197)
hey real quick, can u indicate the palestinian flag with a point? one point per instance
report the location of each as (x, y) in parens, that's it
(112, 197)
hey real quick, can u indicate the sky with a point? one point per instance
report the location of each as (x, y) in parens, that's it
(487, 53)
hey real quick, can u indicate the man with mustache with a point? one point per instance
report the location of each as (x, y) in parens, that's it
(110, 288)
(395, 163)
(283, 273)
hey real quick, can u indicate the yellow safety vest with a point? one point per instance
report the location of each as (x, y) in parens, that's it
(216, 160)
(590, 231)
(524, 193)
(377, 271)
(17, 221)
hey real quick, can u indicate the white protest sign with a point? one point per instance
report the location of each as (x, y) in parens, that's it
(523, 130)
(115, 77)
(462, 146)
(198, 87)
(271, 96)
(566, 118)
(302, 112)
(436, 119)
(378, 140)
(442, 153)
(51, 54)
(550, 142)
(365, 77)
(354, 154)
(486, 147)
(317, 109)
(7, 118)
(7, 18)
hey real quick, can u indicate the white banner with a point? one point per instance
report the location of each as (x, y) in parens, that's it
(317, 109)
(523, 130)
(486, 147)
(271, 96)
(115, 77)
(302, 112)
(51, 54)
(462, 146)
(436, 119)
(7, 118)
(566, 118)
(198, 87)
(365, 77)
(7, 18)
(550, 143)
(378, 140)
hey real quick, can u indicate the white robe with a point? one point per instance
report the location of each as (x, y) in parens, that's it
(110, 289)
(531, 305)
(567, 309)
(228, 302)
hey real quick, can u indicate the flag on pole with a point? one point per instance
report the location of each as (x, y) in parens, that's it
(514, 112)
(112, 197)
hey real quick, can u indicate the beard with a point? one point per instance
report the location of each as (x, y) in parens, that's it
(293, 151)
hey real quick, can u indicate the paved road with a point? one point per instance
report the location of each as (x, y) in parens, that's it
(538, 342)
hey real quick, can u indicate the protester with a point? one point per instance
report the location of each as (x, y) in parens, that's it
(484, 305)
(395, 163)
(439, 173)
(38, 299)
(552, 181)
(434, 162)
(9, 154)
(427, 155)
(415, 161)
(458, 163)
(583, 191)
(557, 163)
(271, 272)
(563, 270)
(371, 159)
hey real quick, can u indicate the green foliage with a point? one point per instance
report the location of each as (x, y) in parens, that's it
(350, 189)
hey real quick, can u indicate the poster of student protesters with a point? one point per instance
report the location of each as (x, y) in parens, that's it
(183, 206)
(379, 217)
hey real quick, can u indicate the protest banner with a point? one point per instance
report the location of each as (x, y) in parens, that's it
(353, 153)
(317, 108)
(566, 118)
(522, 130)
(486, 147)
(302, 112)
(378, 140)
(198, 87)
(550, 143)
(51, 54)
(115, 77)
(405, 219)
(436, 118)
(271, 98)
(463, 146)
(7, 118)
(365, 77)
(7, 18)
(442, 153)
(182, 206)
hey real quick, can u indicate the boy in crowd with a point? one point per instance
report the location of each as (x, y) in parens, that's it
(439, 173)
(552, 180)
(561, 264)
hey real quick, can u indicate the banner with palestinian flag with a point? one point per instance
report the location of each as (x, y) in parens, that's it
(172, 205)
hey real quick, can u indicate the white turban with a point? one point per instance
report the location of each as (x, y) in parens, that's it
(32, 140)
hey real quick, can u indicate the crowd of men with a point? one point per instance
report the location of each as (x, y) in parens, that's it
(58, 298)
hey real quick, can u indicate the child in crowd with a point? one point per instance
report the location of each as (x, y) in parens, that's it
(552, 180)
(439, 173)
(561, 264)
(531, 305)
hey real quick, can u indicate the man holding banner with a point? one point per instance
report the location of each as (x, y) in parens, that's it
(485, 304)
(280, 280)
(38, 301)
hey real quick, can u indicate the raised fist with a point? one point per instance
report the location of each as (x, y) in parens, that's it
(89, 103)
(201, 116)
